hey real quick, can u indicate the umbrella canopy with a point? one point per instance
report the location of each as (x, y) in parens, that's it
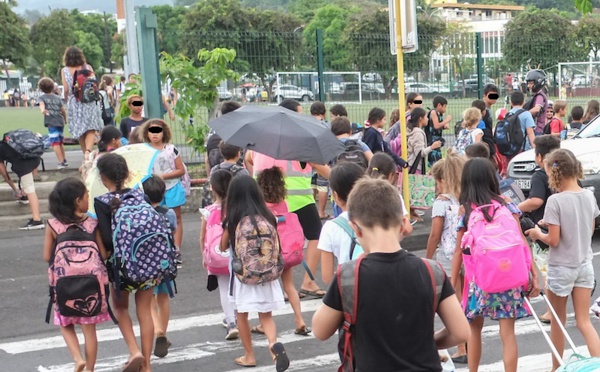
(140, 161)
(279, 133)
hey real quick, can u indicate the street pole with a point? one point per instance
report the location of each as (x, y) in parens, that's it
(320, 65)
(147, 24)
(479, 47)
(133, 58)
(401, 100)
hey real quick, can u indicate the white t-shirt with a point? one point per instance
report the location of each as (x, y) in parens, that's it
(476, 132)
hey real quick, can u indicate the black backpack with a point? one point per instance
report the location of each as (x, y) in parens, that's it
(26, 143)
(353, 154)
(547, 128)
(509, 136)
(85, 86)
(529, 104)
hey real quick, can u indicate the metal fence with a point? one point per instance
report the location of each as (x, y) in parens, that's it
(360, 72)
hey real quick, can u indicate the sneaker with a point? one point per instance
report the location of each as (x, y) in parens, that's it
(62, 165)
(224, 323)
(33, 225)
(232, 332)
(23, 200)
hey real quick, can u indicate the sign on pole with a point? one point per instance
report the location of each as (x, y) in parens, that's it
(408, 11)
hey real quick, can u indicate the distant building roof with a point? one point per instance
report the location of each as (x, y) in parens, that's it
(478, 6)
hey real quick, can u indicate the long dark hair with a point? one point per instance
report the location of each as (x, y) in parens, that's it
(62, 200)
(479, 186)
(114, 168)
(244, 198)
(375, 115)
(415, 115)
(108, 134)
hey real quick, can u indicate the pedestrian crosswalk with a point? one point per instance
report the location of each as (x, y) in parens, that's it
(196, 347)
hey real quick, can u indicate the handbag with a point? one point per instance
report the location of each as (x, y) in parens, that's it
(421, 186)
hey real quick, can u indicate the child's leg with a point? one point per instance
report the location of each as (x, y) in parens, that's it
(143, 304)
(474, 344)
(28, 187)
(226, 304)
(91, 345)
(510, 352)
(164, 312)
(246, 337)
(289, 288)
(121, 310)
(581, 303)
(58, 152)
(178, 235)
(72, 342)
(62, 152)
(269, 327)
(558, 339)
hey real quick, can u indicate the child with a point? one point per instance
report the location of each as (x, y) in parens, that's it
(557, 127)
(479, 186)
(55, 117)
(444, 220)
(110, 139)
(272, 185)
(372, 136)
(417, 139)
(335, 242)
(576, 115)
(471, 133)
(245, 200)
(413, 100)
(382, 166)
(170, 168)
(435, 125)
(154, 188)
(68, 204)
(231, 155)
(219, 183)
(376, 217)
(114, 172)
(490, 97)
(569, 215)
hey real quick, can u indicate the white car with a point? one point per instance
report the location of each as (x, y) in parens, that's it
(224, 94)
(292, 92)
(425, 88)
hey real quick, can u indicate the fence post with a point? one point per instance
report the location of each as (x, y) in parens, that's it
(479, 47)
(320, 64)
(146, 29)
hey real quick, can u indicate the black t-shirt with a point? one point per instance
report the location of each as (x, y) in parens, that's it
(20, 166)
(541, 190)
(488, 135)
(576, 125)
(127, 125)
(394, 322)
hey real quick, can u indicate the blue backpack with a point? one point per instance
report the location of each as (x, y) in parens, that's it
(463, 140)
(509, 136)
(143, 244)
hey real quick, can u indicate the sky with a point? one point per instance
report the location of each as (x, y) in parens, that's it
(108, 6)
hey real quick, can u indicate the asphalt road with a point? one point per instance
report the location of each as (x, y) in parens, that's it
(27, 343)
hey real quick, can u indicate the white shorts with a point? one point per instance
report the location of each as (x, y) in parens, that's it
(27, 184)
(561, 280)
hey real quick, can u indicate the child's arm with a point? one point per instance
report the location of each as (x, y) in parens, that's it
(326, 322)
(63, 112)
(322, 170)
(178, 172)
(224, 240)
(249, 162)
(534, 289)
(48, 244)
(202, 233)
(66, 86)
(436, 122)
(327, 266)
(7, 179)
(456, 327)
(101, 247)
(435, 235)
(457, 260)
(552, 238)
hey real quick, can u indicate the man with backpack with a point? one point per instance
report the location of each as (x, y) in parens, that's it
(21, 148)
(537, 105)
(374, 322)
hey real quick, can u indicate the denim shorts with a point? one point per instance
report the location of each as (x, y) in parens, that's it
(561, 280)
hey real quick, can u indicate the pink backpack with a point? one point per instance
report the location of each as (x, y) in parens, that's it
(77, 275)
(396, 146)
(500, 258)
(215, 261)
(290, 234)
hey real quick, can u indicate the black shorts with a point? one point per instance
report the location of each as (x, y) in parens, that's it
(310, 221)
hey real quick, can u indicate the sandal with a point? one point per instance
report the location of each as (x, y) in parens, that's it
(302, 331)
(325, 217)
(282, 362)
(134, 364)
(241, 361)
(161, 346)
(319, 293)
(257, 330)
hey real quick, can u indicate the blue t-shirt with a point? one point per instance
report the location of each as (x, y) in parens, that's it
(481, 125)
(526, 121)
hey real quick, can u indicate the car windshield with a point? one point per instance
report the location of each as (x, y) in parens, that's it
(592, 129)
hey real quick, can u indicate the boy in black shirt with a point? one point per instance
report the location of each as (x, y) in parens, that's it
(395, 294)
(576, 116)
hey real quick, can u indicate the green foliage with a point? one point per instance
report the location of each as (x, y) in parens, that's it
(550, 39)
(457, 42)
(118, 48)
(49, 37)
(94, 25)
(584, 6)
(14, 45)
(169, 20)
(430, 31)
(90, 45)
(196, 81)
(306, 9)
(587, 34)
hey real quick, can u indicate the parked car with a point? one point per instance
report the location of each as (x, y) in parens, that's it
(292, 92)
(586, 147)
(224, 94)
(425, 89)
(471, 86)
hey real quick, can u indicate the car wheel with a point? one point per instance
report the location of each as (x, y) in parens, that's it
(305, 98)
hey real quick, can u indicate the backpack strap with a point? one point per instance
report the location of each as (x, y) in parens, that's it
(438, 276)
(344, 224)
(347, 280)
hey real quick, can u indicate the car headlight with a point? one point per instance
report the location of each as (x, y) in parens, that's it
(590, 163)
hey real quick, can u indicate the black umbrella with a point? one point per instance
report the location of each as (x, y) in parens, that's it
(279, 133)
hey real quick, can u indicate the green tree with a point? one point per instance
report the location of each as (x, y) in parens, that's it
(169, 20)
(118, 48)
(196, 81)
(587, 34)
(50, 36)
(430, 31)
(457, 43)
(14, 45)
(584, 6)
(90, 46)
(305, 9)
(185, 2)
(539, 38)
(95, 25)
(32, 16)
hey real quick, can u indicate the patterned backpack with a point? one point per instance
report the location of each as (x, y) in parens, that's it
(257, 253)
(215, 261)
(463, 140)
(26, 143)
(143, 244)
(85, 85)
(77, 275)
